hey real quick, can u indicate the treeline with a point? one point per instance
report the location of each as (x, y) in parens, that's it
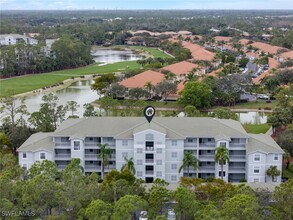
(46, 193)
(21, 59)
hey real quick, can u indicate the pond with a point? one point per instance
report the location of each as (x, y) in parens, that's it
(113, 56)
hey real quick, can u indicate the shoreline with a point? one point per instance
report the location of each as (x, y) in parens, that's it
(66, 83)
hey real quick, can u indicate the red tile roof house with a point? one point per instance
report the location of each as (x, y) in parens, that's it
(286, 56)
(198, 52)
(267, 48)
(183, 68)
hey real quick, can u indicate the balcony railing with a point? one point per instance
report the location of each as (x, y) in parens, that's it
(149, 172)
(91, 156)
(209, 145)
(62, 144)
(190, 144)
(91, 144)
(207, 168)
(61, 166)
(232, 168)
(149, 160)
(62, 156)
(98, 167)
(206, 157)
(149, 148)
(237, 157)
(237, 145)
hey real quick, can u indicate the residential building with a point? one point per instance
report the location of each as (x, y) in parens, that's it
(157, 148)
(12, 39)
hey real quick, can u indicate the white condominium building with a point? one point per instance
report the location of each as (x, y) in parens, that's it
(158, 147)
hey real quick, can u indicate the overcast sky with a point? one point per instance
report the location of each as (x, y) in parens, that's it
(145, 4)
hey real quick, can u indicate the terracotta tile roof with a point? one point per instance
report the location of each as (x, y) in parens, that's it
(225, 39)
(244, 41)
(180, 68)
(180, 87)
(258, 79)
(214, 74)
(198, 52)
(287, 55)
(273, 63)
(267, 48)
(252, 54)
(139, 81)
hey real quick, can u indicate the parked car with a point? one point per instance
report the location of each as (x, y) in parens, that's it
(143, 215)
(171, 214)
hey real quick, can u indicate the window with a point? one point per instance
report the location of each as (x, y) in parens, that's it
(224, 173)
(91, 150)
(42, 156)
(256, 180)
(174, 155)
(189, 140)
(91, 139)
(256, 170)
(223, 144)
(159, 174)
(173, 178)
(159, 162)
(24, 156)
(256, 157)
(139, 150)
(76, 145)
(276, 157)
(139, 173)
(174, 142)
(174, 166)
(124, 142)
(139, 162)
(159, 150)
(124, 154)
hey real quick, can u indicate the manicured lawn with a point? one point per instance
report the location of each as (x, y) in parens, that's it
(37, 81)
(153, 51)
(256, 128)
(259, 104)
(287, 173)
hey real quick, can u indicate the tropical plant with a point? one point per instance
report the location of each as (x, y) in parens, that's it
(189, 160)
(287, 158)
(129, 165)
(222, 156)
(273, 172)
(104, 155)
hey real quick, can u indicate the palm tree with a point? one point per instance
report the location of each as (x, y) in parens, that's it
(104, 155)
(287, 158)
(189, 160)
(149, 86)
(222, 156)
(129, 165)
(273, 172)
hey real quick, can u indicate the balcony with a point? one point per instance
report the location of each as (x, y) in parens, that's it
(190, 145)
(91, 156)
(237, 157)
(206, 168)
(149, 148)
(109, 143)
(62, 145)
(235, 169)
(92, 145)
(149, 160)
(206, 157)
(61, 166)
(62, 156)
(208, 145)
(149, 172)
(97, 168)
(237, 146)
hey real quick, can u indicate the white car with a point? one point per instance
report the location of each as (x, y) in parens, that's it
(143, 215)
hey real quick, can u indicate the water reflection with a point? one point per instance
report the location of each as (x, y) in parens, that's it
(113, 56)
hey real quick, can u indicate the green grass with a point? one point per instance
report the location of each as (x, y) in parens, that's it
(287, 173)
(256, 128)
(32, 82)
(152, 51)
(259, 104)
(37, 81)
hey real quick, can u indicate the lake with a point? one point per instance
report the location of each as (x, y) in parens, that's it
(113, 56)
